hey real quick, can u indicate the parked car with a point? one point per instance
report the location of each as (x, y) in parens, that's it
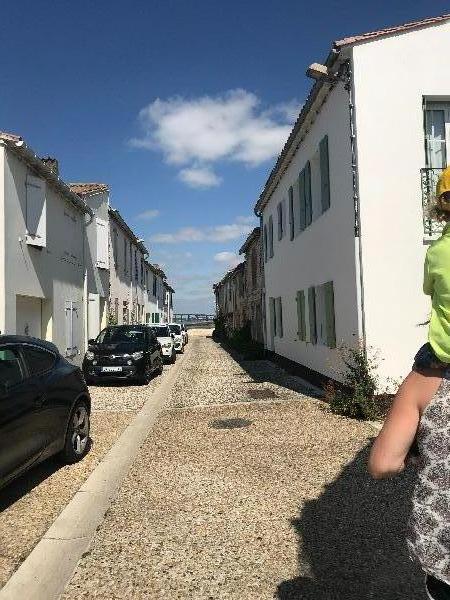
(165, 338)
(44, 406)
(119, 352)
(178, 337)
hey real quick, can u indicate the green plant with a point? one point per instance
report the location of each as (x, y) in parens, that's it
(356, 396)
(112, 319)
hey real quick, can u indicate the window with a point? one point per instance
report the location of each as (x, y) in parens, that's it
(72, 327)
(270, 241)
(36, 212)
(114, 240)
(102, 244)
(10, 367)
(266, 256)
(125, 312)
(437, 134)
(291, 213)
(324, 173)
(305, 200)
(279, 317)
(38, 360)
(316, 315)
(281, 218)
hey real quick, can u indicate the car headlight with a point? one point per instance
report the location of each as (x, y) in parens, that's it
(89, 355)
(137, 355)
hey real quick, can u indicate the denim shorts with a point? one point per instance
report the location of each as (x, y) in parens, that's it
(426, 359)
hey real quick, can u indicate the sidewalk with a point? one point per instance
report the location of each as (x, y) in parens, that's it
(279, 508)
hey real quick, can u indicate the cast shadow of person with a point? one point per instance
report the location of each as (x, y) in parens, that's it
(352, 540)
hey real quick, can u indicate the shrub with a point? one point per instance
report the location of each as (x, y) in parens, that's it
(112, 319)
(356, 396)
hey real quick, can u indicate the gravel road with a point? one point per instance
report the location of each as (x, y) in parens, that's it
(279, 508)
(30, 505)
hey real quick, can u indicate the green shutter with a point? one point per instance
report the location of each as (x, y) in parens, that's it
(291, 213)
(308, 198)
(280, 220)
(312, 314)
(273, 320)
(324, 173)
(329, 314)
(280, 317)
(265, 242)
(301, 315)
(301, 199)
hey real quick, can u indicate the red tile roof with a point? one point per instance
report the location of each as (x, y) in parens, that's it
(389, 30)
(11, 137)
(88, 188)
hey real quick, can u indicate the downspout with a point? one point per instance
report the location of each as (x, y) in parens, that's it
(347, 76)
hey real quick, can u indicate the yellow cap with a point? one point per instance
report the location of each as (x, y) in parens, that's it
(443, 185)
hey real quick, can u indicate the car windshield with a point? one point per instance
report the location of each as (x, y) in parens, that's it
(116, 335)
(162, 331)
(176, 329)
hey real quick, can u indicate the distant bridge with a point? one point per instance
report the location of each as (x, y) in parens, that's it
(193, 319)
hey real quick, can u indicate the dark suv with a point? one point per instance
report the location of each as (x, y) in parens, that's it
(123, 352)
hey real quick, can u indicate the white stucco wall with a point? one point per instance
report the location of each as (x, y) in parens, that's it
(325, 251)
(391, 77)
(120, 274)
(55, 273)
(2, 237)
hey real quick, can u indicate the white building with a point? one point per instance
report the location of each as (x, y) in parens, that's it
(42, 250)
(344, 229)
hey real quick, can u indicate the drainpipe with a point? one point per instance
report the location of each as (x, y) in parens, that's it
(346, 75)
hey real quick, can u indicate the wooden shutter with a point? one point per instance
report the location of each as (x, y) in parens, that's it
(329, 314)
(302, 199)
(308, 198)
(324, 174)
(102, 244)
(72, 320)
(36, 212)
(312, 315)
(301, 329)
(270, 237)
(68, 327)
(280, 220)
(280, 317)
(291, 213)
(273, 316)
(265, 243)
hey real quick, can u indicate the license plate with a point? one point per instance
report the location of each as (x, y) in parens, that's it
(111, 369)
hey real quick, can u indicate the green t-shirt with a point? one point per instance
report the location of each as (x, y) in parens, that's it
(436, 283)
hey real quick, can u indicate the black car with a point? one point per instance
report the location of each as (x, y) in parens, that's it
(44, 406)
(129, 352)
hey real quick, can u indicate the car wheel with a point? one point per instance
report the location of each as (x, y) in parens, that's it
(160, 368)
(145, 379)
(76, 444)
(174, 357)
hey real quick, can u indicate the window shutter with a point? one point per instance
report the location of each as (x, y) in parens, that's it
(273, 318)
(324, 173)
(265, 243)
(302, 199)
(68, 327)
(280, 221)
(312, 315)
(283, 217)
(36, 212)
(308, 198)
(291, 213)
(329, 314)
(301, 315)
(102, 244)
(280, 317)
(76, 327)
(270, 237)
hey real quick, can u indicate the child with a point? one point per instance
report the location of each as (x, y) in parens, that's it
(422, 387)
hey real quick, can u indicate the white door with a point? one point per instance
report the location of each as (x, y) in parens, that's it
(93, 316)
(29, 316)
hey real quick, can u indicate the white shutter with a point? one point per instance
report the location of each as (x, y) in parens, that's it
(36, 212)
(68, 327)
(102, 244)
(72, 327)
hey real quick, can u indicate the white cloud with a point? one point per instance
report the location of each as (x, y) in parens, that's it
(230, 259)
(218, 233)
(148, 215)
(200, 131)
(199, 177)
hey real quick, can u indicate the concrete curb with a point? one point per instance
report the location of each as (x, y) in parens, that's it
(49, 567)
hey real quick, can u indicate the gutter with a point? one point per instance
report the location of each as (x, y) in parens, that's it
(28, 155)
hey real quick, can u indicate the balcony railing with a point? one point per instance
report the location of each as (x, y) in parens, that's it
(429, 178)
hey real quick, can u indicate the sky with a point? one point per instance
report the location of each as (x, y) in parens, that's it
(181, 107)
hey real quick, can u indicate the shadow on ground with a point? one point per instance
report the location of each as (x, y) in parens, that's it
(353, 539)
(266, 371)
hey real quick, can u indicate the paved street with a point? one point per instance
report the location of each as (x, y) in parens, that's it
(279, 508)
(29, 505)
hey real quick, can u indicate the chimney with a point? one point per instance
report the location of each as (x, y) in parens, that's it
(52, 164)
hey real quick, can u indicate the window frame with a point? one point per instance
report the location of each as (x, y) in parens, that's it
(22, 349)
(23, 367)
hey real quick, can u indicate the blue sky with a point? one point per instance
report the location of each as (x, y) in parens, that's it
(180, 106)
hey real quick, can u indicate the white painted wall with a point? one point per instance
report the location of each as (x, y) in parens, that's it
(391, 76)
(53, 274)
(325, 251)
